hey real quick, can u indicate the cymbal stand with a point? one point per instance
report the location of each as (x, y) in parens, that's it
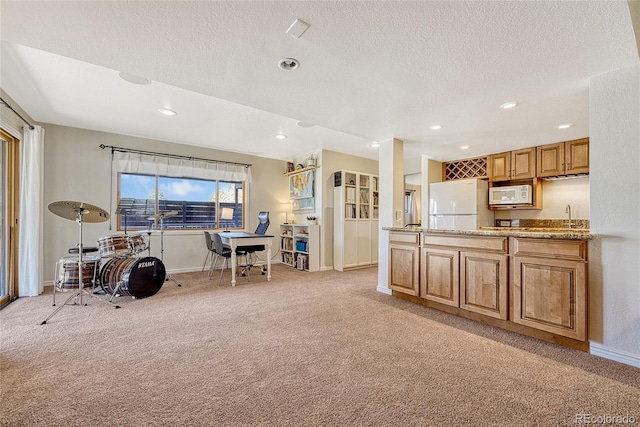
(162, 251)
(79, 212)
(149, 239)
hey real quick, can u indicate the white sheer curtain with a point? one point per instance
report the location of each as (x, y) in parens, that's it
(179, 168)
(30, 222)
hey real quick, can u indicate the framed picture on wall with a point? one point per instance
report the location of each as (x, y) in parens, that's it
(307, 204)
(301, 185)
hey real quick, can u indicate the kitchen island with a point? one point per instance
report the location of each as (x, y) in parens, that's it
(529, 280)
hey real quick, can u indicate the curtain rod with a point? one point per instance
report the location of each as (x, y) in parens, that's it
(172, 156)
(16, 113)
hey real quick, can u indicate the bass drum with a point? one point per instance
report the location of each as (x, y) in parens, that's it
(138, 277)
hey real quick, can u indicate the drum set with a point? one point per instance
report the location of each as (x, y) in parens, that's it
(125, 271)
(120, 269)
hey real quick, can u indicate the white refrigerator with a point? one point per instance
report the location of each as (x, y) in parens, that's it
(460, 205)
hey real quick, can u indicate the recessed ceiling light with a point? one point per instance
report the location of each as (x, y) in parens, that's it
(564, 126)
(167, 112)
(435, 127)
(288, 64)
(374, 144)
(281, 136)
(464, 147)
(136, 80)
(508, 105)
(305, 125)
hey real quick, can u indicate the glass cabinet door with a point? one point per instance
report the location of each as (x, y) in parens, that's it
(364, 198)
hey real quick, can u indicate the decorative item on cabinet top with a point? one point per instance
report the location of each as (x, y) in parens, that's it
(291, 169)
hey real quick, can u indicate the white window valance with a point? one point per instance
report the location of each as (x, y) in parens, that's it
(150, 164)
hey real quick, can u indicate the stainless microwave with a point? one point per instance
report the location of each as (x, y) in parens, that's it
(511, 195)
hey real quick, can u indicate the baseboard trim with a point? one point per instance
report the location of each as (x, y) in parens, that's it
(613, 354)
(384, 290)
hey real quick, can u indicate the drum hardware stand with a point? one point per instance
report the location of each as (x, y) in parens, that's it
(149, 239)
(115, 292)
(76, 211)
(162, 216)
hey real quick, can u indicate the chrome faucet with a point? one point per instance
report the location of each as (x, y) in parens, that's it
(568, 211)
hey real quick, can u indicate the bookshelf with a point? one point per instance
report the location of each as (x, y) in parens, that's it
(300, 246)
(356, 212)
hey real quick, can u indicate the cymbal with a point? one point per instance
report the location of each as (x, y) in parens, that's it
(167, 214)
(72, 210)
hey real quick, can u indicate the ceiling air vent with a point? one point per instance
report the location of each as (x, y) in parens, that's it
(288, 64)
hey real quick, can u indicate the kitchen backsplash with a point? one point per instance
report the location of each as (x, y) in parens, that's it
(556, 195)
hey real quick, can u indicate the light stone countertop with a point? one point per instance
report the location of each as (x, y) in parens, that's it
(538, 233)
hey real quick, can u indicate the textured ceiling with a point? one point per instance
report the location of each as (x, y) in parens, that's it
(369, 71)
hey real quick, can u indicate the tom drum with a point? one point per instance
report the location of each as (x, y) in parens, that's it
(138, 277)
(116, 245)
(137, 243)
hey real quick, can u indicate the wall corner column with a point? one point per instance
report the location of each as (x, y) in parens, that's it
(391, 173)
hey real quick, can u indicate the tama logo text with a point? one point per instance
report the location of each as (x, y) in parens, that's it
(146, 264)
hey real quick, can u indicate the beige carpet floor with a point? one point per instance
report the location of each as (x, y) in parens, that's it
(306, 349)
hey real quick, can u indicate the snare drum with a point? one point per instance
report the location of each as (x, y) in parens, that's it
(116, 245)
(138, 277)
(137, 243)
(67, 275)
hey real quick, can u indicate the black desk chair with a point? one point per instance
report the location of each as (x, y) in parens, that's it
(210, 249)
(220, 251)
(249, 251)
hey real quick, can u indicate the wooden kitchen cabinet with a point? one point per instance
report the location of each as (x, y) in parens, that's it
(440, 270)
(484, 283)
(549, 286)
(551, 160)
(523, 281)
(404, 262)
(563, 158)
(576, 154)
(469, 272)
(513, 165)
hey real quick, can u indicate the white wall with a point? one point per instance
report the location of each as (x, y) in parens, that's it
(431, 172)
(77, 169)
(391, 201)
(614, 267)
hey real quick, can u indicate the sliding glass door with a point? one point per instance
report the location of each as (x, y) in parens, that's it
(8, 216)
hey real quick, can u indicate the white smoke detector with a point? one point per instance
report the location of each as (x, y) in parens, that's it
(297, 28)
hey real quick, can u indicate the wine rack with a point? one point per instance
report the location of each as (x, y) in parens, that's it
(466, 168)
